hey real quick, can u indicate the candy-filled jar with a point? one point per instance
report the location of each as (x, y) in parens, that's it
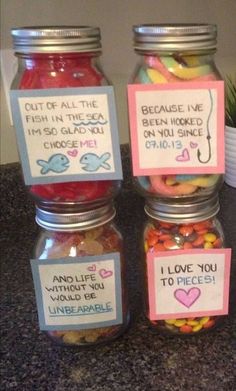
(181, 233)
(62, 57)
(170, 54)
(84, 284)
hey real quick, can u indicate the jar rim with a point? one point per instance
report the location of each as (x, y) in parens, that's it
(55, 39)
(182, 212)
(75, 221)
(175, 37)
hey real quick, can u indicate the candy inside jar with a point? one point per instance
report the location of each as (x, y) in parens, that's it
(62, 57)
(175, 186)
(170, 54)
(84, 192)
(189, 325)
(90, 234)
(186, 227)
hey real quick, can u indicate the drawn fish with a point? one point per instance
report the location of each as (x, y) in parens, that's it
(93, 162)
(56, 163)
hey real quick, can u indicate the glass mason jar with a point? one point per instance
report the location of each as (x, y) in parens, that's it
(172, 54)
(62, 57)
(90, 240)
(189, 227)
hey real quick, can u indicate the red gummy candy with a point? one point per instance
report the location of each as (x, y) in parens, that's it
(55, 71)
(73, 191)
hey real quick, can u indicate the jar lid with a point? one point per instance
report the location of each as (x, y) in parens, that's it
(171, 212)
(75, 221)
(55, 39)
(69, 206)
(174, 37)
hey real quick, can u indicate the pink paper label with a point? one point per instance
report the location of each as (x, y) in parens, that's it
(188, 283)
(177, 128)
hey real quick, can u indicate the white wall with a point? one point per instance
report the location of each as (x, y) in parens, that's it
(115, 18)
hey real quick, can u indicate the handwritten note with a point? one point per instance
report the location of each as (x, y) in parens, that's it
(186, 283)
(67, 134)
(79, 292)
(177, 128)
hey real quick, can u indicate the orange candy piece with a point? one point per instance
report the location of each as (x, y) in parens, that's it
(164, 237)
(188, 246)
(186, 329)
(202, 232)
(159, 247)
(152, 232)
(152, 241)
(202, 225)
(209, 324)
(199, 241)
(186, 230)
(217, 243)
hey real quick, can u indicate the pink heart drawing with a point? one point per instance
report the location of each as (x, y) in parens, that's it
(193, 145)
(91, 268)
(105, 273)
(184, 157)
(187, 298)
(72, 152)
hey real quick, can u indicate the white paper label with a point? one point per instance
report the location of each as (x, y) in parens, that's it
(177, 128)
(185, 283)
(67, 134)
(78, 293)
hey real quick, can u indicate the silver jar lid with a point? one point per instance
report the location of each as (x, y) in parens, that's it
(75, 221)
(182, 212)
(56, 39)
(174, 37)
